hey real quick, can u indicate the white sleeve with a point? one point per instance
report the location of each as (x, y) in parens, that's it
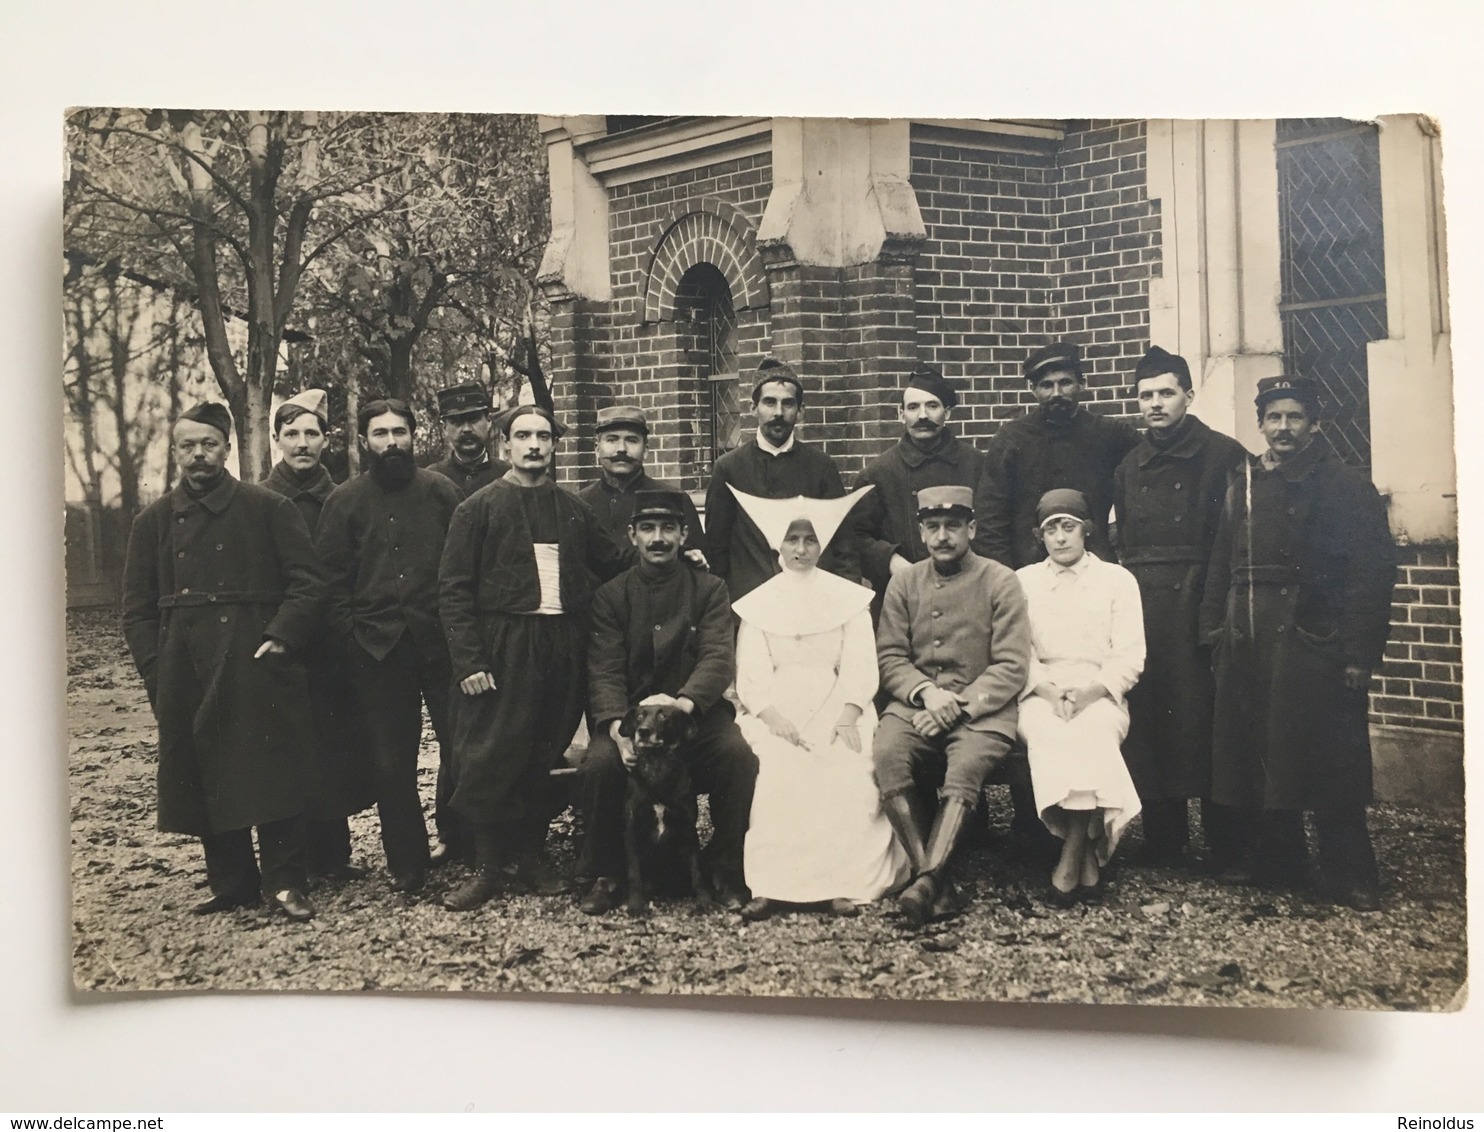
(860, 675)
(754, 667)
(1125, 660)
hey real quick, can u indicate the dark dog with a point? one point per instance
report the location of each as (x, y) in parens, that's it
(660, 805)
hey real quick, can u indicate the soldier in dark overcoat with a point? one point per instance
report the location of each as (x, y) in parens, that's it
(1298, 606)
(1167, 495)
(466, 412)
(221, 594)
(340, 782)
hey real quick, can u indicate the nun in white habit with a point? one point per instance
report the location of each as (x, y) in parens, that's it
(806, 676)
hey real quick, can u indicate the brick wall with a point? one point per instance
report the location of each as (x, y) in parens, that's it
(1421, 680)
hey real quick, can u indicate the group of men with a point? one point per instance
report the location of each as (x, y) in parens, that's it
(289, 634)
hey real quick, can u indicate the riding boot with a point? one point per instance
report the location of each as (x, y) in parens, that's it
(486, 881)
(918, 901)
(908, 823)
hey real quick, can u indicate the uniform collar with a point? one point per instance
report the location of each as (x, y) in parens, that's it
(637, 483)
(950, 451)
(1193, 432)
(319, 486)
(788, 445)
(216, 500)
(1300, 465)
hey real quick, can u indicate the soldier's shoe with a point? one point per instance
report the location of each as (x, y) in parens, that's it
(227, 903)
(292, 904)
(478, 890)
(949, 901)
(916, 901)
(601, 897)
(534, 875)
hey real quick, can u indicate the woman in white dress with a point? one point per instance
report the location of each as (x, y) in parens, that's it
(806, 676)
(1087, 631)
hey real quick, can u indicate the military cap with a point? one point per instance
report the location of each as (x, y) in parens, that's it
(622, 416)
(507, 418)
(461, 400)
(949, 499)
(307, 401)
(212, 413)
(931, 381)
(1158, 362)
(1057, 356)
(1302, 389)
(1062, 503)
(658, 504)
(771, 369)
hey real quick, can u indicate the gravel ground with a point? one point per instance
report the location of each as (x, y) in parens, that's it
(1162, 937)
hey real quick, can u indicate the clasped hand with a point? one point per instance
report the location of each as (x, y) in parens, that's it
(1068, 703)
(941, 711)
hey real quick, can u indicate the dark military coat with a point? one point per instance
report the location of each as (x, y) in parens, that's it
(1030, 456)
(1168, 501)
(470, 480)
(886, 520)
(206, 582)
(341, 781)
(1299, 587)
(614, 507)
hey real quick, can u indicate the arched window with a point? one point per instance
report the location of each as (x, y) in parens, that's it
(704, 299)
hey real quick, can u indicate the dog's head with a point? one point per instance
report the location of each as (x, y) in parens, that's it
(657, 729)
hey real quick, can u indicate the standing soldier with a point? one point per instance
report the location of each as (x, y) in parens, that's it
(1167, 495)
(1298, 608)
(515, 585)
(467, 427)
(1057, 444)
(928, 455)
(622, 438)
(339, 784)
(381, 536)
(221, 591)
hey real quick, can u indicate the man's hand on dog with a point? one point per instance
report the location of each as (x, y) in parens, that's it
(477, 684)
(624, 744)
(660, 699)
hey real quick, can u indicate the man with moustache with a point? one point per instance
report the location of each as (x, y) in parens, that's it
(1167, 494)
(1297, 610)
(467, 427)
(515, 586)
(954, 646)
(928, 455)
(340, 781)
(621, 437)
(776, 466)
(221, 592)
(1058, 444)
(380, 537)
(663, 633)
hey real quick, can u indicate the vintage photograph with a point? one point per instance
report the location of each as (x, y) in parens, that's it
(958, 559)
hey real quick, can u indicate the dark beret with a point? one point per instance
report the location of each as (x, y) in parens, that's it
(212, 413)
(771, 369)
(1302, 389)
(931, 381)
(1158, 362)
(1057, 356)
(1063, 501)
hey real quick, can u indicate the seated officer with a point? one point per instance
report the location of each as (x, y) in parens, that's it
(663, 632)
(954, 645)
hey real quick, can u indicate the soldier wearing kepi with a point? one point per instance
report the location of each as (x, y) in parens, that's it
(928, 455)
(380, 537)
(954, 647)
(1167, 494)
(515, 586)
(340, 781)
(622, 439)
(1298, 608)
(221, 592)
(465, 411)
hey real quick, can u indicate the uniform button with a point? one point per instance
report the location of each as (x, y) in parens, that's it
(180, 554)
(1283, 589)
(1144, 490)
(180, 518)
(1290, 510)
(936, 613)
(1177, 585)
(938, 641)
(401, 575)
(218, 546)
(1179, 517)
(211, 597)
(185, 590)
(1177, 487)
(657, 628)
(1280, 628)
(223, 618)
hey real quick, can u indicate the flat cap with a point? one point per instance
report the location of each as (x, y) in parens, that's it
(1062, 503)
(622, 416)
(771, 369)
(1303, 389)
(947, 499)
(1158, 362)
(929, 380)
(460, 400)
(658, 505)
(212, 413)
(1057, 356)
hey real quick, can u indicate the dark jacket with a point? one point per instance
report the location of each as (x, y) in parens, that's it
(206, 582)
(1030, 456)
(686, 650)
(381, 551)
(1168, 501)
(1299, 587)
(489, 566)
(470, 481)
(738, 552)
(614, 506)
(885, 521)
(309, 498)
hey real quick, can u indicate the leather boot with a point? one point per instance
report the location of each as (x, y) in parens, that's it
(908, 825)
(487, 880)
(921, 896)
